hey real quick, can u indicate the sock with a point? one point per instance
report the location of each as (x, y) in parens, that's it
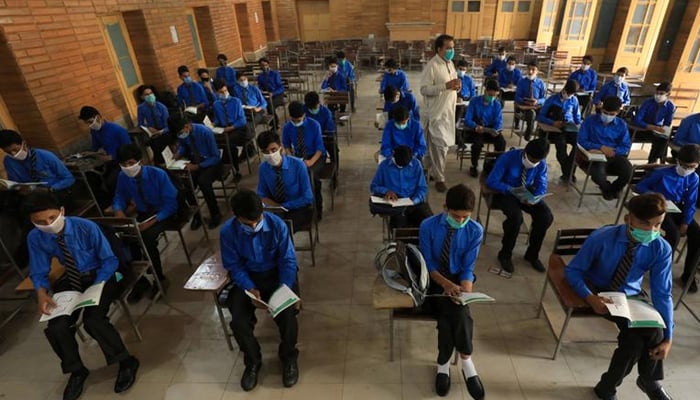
(468, 367)
(444, 368)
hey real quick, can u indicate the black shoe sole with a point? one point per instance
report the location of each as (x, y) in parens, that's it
(133, 380)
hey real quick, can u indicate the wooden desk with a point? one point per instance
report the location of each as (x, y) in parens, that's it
(56, 271)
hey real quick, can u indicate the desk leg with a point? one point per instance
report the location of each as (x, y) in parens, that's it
(223, 321)
(391, 335)
(92, 194)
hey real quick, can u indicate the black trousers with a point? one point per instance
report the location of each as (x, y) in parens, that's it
(583, 101)
(315, 171)
(565, 159)
(204, 178)
(150, 240)
(243, 320)
(506, 96)
(513, 210)
(158, 144)
(300, 217)
(618, 165)
(411, 217)
(239, 137)
(529, 117)
(658, 145)
(478, 139)
(454, 324)
(671, 226)
(276, 101)
(633, 345)
(61, 330)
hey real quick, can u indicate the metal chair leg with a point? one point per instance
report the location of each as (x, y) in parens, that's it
(130, 318)
(391, 335)
(222, 320)
(560, 339)
(184, 247)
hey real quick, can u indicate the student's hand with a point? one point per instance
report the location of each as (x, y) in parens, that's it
(192, 167)
(269, 202)
(104, 157)
(597, 303)
(144, 226)
(608, 151)
(229, 128)
(176, 156)
(256, 303)
(308, 163)
(257, 109)
(120, 214)
(391, 196)
(452, 85)
(511, 86)
(153, 130)
(661, 351)
(558, 124)
(683, 229)
(46, 303)
(451, 289)
(479, 129)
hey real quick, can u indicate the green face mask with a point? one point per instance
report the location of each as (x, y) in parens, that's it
(642, 236)
(489, 99)
(456, 225)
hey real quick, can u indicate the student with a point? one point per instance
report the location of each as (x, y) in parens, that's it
(530, 92)
(197, 143)
(302, 138)
(401, 176)
(319, 113)
(228, 114)
(616, 87)
(154, 116)
(608, 134)
(450, 243)
(561, 110)
(334, 81)
(270, 81)
(484, 117)
(498, 63)
(394, 98)
(346, 68)
(616, 258)
(508, 79)
(587, 79)
(207, 84)
(260, 273)
(283, 181)
(251, 97)
(688, 131)
(679, 184)
(513, 169)
(393, 76)
(656, 115)
(83, 250)
(468, 89)
(191, 94)
(403, 131)
(225, 72)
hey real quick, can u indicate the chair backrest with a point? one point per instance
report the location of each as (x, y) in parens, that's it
(489, 162)
(127, 230)
(406, 235)
(569, 241)
(641, 171)
(330, 142)
(336, 98)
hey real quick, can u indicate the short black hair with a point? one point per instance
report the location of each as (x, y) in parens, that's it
(87, 112)
(402, 155)
(241, 74)
(664, 86)
(511, 58)
(128, 152)
(647, 206)
(461, 63)
(247, 204)
(389, 93)
(8, 137)
(331, 60)
(501, 49)
(460, 197)
(492, 84)
(612, 103)
(176, 123)
(340, 54)
(532, 64)
(222, 56)
(263, 59)
(399, 113)
(391, 63)
(440, 41)
(219, 83)
(266, 138)
(312, 99)
(571, 86)
(40, 201)
(143, 88)
(623, 70)
(200, 71)
(182, 69)
(296, 109)
(537, 149)
(689, 153)
(588, 58)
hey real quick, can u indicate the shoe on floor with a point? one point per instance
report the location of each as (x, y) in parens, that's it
(506, 263)
(290, 374)
(442, 384)
(474, 172)
(608, 196)
(127, 374)
(141, 287)
(653, 389)
(603, 397)
(249, 380)
(474, 387)
(74, 387)
(440, 187)
(565, 179)
(535, 263)
(214, 221)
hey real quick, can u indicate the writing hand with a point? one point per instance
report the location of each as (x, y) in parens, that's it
(144, 226)
(558, 124)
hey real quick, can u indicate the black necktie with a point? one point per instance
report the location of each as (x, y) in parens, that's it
(154, 117)
(196, 157)
(33, 172)
(445, 253)
(72, 273)
(659, 109)
(523, 177)
(191, 93)
(280, 196)
(244, 95)
(301, 146)
(624, 267)
(225, 103)
(139, 188)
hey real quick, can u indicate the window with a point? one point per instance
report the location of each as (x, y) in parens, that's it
(694, 58)
(639, 26)
(508, 6)
(549, 9)
(123, 58)
(672, 25)
(474, 6)
(577, 20)
(605, 22)
(195, 36)
(524, 6)
(457, 6)
(122, 53)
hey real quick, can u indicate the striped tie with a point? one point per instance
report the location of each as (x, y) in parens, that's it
(301, 146)
(33, 172)
(279, 186)
(445, 253)
(523, 177)
(244, 96)
(623, 269)
(72, 273)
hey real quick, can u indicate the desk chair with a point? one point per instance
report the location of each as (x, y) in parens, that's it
(340, 99)
(223, 143)
(464, 153)
(584, 163)
(332, 166)
(10, 271)
(639, 173)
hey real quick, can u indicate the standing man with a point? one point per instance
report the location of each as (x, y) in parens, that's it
(347, 69)
(439, 87)
(225, 72)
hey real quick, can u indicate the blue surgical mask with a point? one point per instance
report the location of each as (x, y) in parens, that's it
(150, 99)
(314, 111)
(456, 225)
(618, 79)
(188, 79)
(401, 126)
(461, 73)
(224, 96)
(298, 124)
(643, 236)
(449, 54)
(251, 231)
(183, 135)
(607, 118)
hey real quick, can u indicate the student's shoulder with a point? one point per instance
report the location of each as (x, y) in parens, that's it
(42, 153)
(475, 227)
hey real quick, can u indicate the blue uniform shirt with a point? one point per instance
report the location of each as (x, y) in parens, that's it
(507, 174)
(593, 134)
(229, 112)
(600, 255)
(48, 169)
(412, 137)
(269, 248)
(205, 145)
(313, 139)
(324, 117)
(682, 190)
(228, 74)
(153, 116)
(406, 100)
(297, 185)
(211, 95)
(488, 115)
(688, 131)
(468, 89)
(110, 137)
(160, 195)
(255, 96)
(408, 181)
(192, 94)
(397, 80)
(85, 242)
(587, 80)
(570, 109)
(347, 69)
(497, 64)
(653, 113)
(271, 81)
(464, 247)
(610, 88)
(506, 78)
(523, 91)
(337, 82)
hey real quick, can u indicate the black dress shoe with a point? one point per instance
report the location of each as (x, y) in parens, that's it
(442, 384)
(603, 397)
(196, 222)
(473, 172)
(127, 374)
(535, 263)
(474, 387)
(74, 387)
(653, 390)
(506, 263)
(214, 221)
(290, 374)
(249, 380)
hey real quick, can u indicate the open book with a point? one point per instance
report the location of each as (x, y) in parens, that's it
(191, 110)
(592, 156)
(524, 195)
(671, 207)
(402, 202)
(69, 301)
(640, 313)
(170, 162)
(465, 298)
(665, 134)
(148, 131)
(16, 185)
(282, 299)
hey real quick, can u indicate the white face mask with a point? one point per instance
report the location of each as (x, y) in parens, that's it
(510, 67)
(244, 83)
(607, 118)
(133, 170)
(55, 227)
(529, 164)
(532, 77)
(21, 155)
(298, 124)
(618, 79)
(684, 172)
(274, 159)
(502, 57)
(96, 125)
(333, 70)
(461, 73)
(660, 98)
(585, 67)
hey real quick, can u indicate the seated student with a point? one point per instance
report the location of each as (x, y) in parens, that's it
(84, 251)
(401, 176)
(334, 81)
(679, 184)
(508, 78)
(616, 87)
(521, 168)
(498, 63)
(403, 131)
(223, 71)
(616, 258)
(251, 97)
(302, 138)
(190, 93)
(530, 92)
(229, 114)
(106, 136)
(283, 181)
(260, 273)
(154, 115)
(608, 134)
(394, 77)
(450, 243)
(562, 111)
(483, 123)
(197, 143)
(346, 68)
(587, 79)
(468, 89)
(319, 113)
(656, 115)
(270, 81)
(393, 98)
(151, 191)
(688, 133)
(207, 84)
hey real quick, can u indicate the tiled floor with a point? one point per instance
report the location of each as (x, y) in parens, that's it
(343, 341)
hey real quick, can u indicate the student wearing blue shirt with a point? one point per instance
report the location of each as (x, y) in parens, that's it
(346, 68)
(251, 97)
(225, 72)
(587, 79)
(207, 84)
(483, 123)
(302, 138)
(468, 89)
(529, 97)
(283, 181)
(319, 113)
(154, 115)
(616, 258)
(229, 115)
(656, 115)
(401, 176)
(270, 82)
(616, 87)
(608, 134)
(393, 98)
(258, 253)
(84, 251)
(450, 243)
(688, 131)
(190, 93)
(393, 76)
(198, 145)
(403, 131)
(508, 78)
(334, 81)
(679, 184)
(561, 110)
(498, 63)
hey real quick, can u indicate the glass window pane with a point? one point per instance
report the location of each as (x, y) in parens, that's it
(629, 49)
(508, 6)
(523, 6)
(474, 6)
(575, 28)
(639, 12)
(121, 50)
(549, 7)
(693, 58)
(633, 35)
(457, 6)
(195, 37)
(580, 9)
(650, 14)
(548, 21)
(643, 36)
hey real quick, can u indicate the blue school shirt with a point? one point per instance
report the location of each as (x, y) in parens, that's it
(496, 66)
(192, 94)
(229, 113)
(593, 134)
(255, 96)
(587, 80)
(48, 168)
(397, 80)
(202, 138)
(313, 139)
(610, 88)
(324, 117)
(507, 174)
(109, 137)
(271, 81)
(600, 255)
(522, 91)
(159, 193)
(228, 74)
(412, 137)
(85, 242)
(347, 69)
(506, 77)
(682, 190)
(570, 109)
(468, 89)
(337, 82)
(262, 251)
(408, 181)
(653, 113)
(688, 131)
(406, 100)
(297, 185)
(489, 115)
(153, 116)
(464, 247)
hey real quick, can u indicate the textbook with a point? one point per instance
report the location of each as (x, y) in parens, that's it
(524, 195)
(592, 156)
(402, 202)
(217, 130)
(671, 207)
(148, 131)
(191, 110)
(282, 299)
(69, 301)
(16, 185)
(170, 162)
(665, 134)
(640, 313)
(465, 298)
